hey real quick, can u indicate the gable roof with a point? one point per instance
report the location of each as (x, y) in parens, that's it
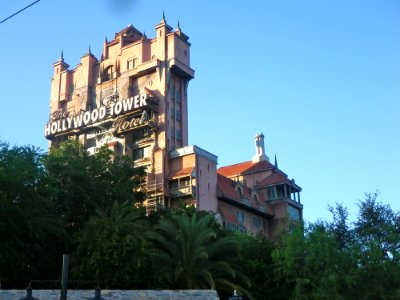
(277, 177)
(227, 187)
(245, 168)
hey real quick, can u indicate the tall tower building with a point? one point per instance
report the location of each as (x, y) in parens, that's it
(134, 100)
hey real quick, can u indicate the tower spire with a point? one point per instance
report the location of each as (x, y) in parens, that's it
(276, 163)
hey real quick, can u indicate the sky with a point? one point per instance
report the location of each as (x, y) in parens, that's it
(320, 79)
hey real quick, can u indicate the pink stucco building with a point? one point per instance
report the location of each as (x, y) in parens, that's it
(134, 100)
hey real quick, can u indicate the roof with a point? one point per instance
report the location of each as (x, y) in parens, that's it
(180, 173)
(228, 215)
(245, 168)
(277, 177)
(228, 188)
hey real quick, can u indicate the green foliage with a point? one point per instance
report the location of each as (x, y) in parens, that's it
(339, 261)
(255, 260)
(30, 232)
(81, 183)
(377, 233)
(189, 254)
(69, 200)
(112, 248)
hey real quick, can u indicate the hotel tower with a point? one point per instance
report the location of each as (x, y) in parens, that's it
(134, 100)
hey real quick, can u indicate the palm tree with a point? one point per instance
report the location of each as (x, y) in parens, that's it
(191, 255)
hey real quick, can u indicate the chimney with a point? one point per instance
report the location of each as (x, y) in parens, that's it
(260, 149)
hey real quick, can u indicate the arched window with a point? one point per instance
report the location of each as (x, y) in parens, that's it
(108, 73)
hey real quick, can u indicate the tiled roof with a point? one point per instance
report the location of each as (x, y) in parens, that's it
(228, 215)
(227, 188)
(245, 168)
(276, 178)
(180, 173)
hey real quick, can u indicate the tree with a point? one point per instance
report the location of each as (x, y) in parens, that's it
(256, 263)
(338, 260)
(377, 233)
(189, 254)
(81, 183)
(112, 248)
(311, 265)
(31, 234)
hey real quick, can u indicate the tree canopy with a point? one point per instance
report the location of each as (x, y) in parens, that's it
(67, 201)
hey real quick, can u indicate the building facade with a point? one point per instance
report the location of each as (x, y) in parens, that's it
(134, 100)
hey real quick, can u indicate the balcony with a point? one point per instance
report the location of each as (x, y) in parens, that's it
(183, 191)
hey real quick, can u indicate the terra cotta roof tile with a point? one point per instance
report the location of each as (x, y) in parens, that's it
(245, 167)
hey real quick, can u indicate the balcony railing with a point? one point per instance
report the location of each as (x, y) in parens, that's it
(182, 191)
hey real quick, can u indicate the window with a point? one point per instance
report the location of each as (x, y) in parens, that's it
(132, 63)
(245, 201)
(140, 134)
(280, 190)
(178, 135)
(230, 226)
(256, 223)
(240, 216)
(129, 64)
(271, 195)
(133, 87)
(108, 73)
(173, 91)
(140, 153)
(178, 95)
(294, 213)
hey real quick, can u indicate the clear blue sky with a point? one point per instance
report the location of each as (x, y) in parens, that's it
(320, 79)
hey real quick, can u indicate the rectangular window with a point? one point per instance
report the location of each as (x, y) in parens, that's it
(294, 213)
(140, 134)
(172, 91)
(271, 195)
(141, 153)
(178, 135)
(256, 223)
(172, 131)
(178, 95)
(240, 216)
(138, 153)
